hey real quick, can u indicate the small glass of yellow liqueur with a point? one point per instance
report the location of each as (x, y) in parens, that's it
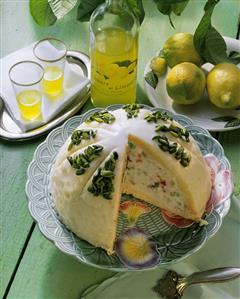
(51, 53)
(26, 77)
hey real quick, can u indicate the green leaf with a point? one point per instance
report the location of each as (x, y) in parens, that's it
(42, 12)
(224, 118)
(233, 123)
(207, 40)
(138, 10)
(152, 79)
(234, 57)
(86, 8)
(61, 7)
(215, 50)
(124, 63)
(179, 8)
(204, 26)
(167, 7)
(169, 1)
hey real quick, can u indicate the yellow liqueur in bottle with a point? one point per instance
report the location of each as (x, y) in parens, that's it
(53, 80)
(114, 52)
(114, 67)
(29, 103)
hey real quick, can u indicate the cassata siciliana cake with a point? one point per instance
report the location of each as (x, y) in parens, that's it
(130, 150)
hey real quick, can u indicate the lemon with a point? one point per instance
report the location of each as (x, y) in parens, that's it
(223, 85)
(186, 83)
(158, 65)
(180, 48)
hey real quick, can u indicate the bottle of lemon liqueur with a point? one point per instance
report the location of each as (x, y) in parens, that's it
(114, 52)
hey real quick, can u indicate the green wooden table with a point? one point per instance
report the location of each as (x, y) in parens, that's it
(31, 266)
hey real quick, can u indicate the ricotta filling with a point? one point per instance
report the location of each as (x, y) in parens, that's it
(148, 177)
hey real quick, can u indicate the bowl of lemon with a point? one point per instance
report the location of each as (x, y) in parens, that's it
(205, 87)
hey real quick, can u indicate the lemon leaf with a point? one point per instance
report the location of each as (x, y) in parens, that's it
(215, 51)
(86, 8)
(179, 7)
(42, 12)
(61, 7)
(152, 79)
(224, 118)
(235, 57)
(167, 7)
(207, 40)
(204, 26)
(233, 123)
(137, 7)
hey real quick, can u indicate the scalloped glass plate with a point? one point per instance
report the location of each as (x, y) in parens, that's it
(172, 244)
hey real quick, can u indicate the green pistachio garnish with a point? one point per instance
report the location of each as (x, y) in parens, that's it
(82, 161)
(132, 110)
(155, 116)
(174, 149)
(102, 117)
(131, 144)
(175, 131)
(102, 182)
(79, 135)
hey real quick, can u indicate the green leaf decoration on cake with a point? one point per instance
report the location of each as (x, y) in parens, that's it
(174, 131)
(82, 161)
(132, 110)
(157, 115)
(102, 117)
(174, 149)
(79, 135)
(102, 182)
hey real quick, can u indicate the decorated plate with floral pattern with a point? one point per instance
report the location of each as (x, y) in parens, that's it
(147, 237)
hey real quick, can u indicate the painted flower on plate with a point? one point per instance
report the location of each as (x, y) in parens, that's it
(135, 249)
(176, 220)
(133, 210)
(222, 185)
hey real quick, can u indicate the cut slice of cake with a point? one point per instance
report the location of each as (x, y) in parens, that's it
(155, 177)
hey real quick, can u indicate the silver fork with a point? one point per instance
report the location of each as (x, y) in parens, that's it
(173, 285)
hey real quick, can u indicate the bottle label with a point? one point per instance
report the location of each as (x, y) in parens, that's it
(114, 78)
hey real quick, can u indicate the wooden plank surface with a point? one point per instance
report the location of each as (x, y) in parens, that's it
(15, 220)
(47, 273)
(44, 272)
